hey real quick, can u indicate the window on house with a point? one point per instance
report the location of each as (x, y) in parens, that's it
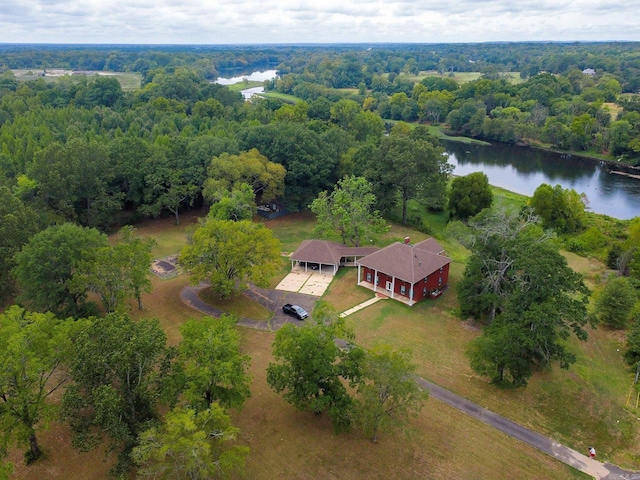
(439, 281)
(368, 276)
(441, 269)
(403, 289)
(426, 279)
(424, 292)
(377, 279)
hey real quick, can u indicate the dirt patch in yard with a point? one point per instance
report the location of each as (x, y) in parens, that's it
(166, 267)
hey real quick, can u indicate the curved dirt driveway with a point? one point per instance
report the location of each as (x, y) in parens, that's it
(273, 301)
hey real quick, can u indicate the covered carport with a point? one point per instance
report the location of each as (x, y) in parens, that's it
(316, 255)
(326, 257)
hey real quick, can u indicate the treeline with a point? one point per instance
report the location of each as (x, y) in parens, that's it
(569, 112)
(353, 63)
(206, 60)
(83, 151)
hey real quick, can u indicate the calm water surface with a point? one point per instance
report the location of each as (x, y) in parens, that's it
(252, 77)
(522, 170)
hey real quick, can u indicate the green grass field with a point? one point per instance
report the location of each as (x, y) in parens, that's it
(582, 405)
(460, 77)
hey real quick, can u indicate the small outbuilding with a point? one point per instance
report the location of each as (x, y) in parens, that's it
(405, 272)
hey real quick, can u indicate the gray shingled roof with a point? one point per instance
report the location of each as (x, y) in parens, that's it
(410, 263)
(326, 252)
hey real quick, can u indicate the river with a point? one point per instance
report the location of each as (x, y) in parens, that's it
(252, 77)
(522, 170)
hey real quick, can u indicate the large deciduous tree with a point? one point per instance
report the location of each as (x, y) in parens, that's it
(388, 392)
(18, 222)
(229, 254)
(406, 167)
(46, 265)
(309, 158)
(214, 365)
(238, 204)
(33, 350)
(190, 444)
(632, 347)
(122, 371)
(75, 181)
(349, 211)
(117, 272)
(559, 208)
(310, 369)
(615, 303)
(535, 301)
(171, 182)
(225, 172)
(469, 195)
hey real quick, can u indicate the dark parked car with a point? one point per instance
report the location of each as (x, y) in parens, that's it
(295, 311)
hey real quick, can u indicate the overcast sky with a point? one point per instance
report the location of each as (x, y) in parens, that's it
(315, 21)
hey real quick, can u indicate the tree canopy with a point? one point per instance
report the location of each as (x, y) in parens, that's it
(404, 168)
(18, 223)
(534, 299)
(469, 195)
(310, 369)
(34, 348)
(559, 208)
(45, 267)
(349, 211)
(214, 366)
(388, 391)
(226, 171)
(230, 254)
(190, 444)
(121, 372)
(116, 272)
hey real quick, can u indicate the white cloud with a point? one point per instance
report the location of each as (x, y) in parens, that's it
(311, 21)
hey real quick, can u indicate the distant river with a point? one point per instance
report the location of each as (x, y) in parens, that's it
(252, 77)
(522, 170)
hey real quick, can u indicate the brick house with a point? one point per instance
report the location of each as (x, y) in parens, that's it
(405, 272)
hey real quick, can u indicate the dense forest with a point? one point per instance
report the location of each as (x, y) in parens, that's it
(82, 149)
(81, 157)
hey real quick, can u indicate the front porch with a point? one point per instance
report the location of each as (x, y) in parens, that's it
(387, 293)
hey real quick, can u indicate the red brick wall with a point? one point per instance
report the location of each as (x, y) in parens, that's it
(436, 280)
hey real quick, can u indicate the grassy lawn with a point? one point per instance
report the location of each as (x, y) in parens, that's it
(236, 87)
(460, 77)
(281, 96)
(239, 305)
(440, 443)
(580, 406)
